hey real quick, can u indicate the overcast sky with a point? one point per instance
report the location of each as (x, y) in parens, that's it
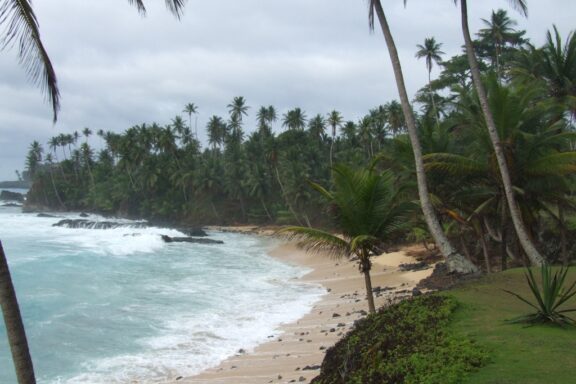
(117, 69)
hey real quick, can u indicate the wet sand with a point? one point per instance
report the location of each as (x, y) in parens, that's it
(296, 354)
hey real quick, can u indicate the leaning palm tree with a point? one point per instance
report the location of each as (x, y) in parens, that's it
(367, 210)
(523, 236)
(14, 325)
(454, 260)
(430, 50)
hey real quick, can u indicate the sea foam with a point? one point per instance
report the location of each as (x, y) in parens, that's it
(120, 305)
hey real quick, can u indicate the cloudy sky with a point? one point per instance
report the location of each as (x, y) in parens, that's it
(117, 69)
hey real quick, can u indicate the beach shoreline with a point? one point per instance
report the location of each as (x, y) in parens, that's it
(295, 355)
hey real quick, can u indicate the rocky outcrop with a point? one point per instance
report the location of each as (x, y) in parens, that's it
(196, 240)
(89, 224)
(11, 196)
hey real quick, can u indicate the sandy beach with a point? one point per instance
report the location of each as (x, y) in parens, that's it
(295, 355)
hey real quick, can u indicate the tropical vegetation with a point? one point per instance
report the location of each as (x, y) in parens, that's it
(259, 174)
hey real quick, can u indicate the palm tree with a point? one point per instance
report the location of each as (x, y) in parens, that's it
(22, 30)
(498, 32)
(190, 109)
(454, 260)
(14, 325)
(265, 117)
(367, 211)
(430, 50)
(87, 132)
(216, 131)
(238, 109)
(294, 119)
(335, 121)
(527, 245)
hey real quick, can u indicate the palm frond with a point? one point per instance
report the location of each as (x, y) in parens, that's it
(21, 28)
(318, 241)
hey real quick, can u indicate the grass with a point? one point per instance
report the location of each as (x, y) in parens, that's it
(518, 354)
(459, 336)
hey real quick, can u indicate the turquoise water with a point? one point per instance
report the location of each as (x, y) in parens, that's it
(116, 306)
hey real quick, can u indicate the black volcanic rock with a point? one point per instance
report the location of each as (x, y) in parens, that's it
(11, 196)
(196, 240)
(89, 224)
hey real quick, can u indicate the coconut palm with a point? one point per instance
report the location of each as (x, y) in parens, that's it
(192, 109)
(454, 260)
(523, 237)
(294, 119)
(237, 109)
(14, 325)
(499, 31)
(430, 50)
(335, 121)
(367, 210)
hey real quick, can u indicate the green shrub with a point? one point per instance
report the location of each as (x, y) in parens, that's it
(404, 343)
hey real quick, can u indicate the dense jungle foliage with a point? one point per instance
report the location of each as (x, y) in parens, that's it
(254, 175)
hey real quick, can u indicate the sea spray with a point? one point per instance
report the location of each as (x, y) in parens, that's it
(116, 305)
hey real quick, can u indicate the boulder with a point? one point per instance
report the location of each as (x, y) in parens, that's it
(196, 240)
(11, 196)
(83, 223)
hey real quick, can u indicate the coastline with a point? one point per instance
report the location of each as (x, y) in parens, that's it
(296, 354)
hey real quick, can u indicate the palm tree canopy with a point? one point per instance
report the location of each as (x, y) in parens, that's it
(366, 209)
(430, 50)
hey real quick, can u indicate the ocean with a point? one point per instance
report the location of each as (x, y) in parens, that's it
(121, 306)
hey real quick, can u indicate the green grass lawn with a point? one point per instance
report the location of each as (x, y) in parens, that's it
(518, 354)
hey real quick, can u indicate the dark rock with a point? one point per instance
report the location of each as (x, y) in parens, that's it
(193, 231)
(302, 378)
(46, 215)
(11, 205)
(416, 292)
(335, 315)
(11, 196)
(414, 266)
(84, 214)
(169, 239)
(311, 368)
(89, 224)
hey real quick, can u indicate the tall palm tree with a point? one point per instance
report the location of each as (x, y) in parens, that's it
(335, 121)
(294, 119)
(21, 29)
(14, 325)
(238, 108)
(527, 245)
(367, 211)
(192, 109)
(430, 50)
(498, 32)
(454, 260)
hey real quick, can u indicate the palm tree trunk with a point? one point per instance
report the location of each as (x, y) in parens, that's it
(369, 294)
(454, 260)
(562, 224)
(14, 325)
(286, 197)
(365, 267)
(531, 251)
